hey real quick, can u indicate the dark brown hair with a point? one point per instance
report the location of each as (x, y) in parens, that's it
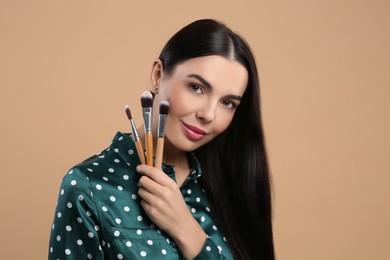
(235, 165)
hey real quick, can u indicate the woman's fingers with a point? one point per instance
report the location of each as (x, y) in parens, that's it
(155, 174)
(150, 185)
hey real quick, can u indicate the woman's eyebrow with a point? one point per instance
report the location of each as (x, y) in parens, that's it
(208, 85)
(201, 79)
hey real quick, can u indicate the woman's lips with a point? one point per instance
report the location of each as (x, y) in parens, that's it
(192, 132)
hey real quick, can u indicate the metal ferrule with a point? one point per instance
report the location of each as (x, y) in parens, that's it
(134, 130)
(147, 112)
(161, 125)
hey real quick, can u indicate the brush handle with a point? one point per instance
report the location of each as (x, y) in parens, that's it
(140, 151)
(159, 152)
(149, 149)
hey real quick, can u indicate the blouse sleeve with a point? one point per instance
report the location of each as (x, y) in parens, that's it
(210, 251)
(75, 231)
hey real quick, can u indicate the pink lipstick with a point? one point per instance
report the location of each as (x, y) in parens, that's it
(192, 132)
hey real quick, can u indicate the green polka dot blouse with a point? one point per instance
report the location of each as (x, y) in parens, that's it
(99, 216)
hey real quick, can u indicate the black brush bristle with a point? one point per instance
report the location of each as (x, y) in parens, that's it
(128, 112)
(164, 107)
(146, 99)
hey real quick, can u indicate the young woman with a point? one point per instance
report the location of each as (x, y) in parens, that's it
(212, 197)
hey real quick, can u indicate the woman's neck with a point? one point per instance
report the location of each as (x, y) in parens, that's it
(171, 156)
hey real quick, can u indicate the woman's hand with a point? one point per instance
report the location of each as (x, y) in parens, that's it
(165, 206)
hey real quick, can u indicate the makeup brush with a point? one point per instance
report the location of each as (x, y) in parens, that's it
(137, 140)
(147, 103)
(164, 108)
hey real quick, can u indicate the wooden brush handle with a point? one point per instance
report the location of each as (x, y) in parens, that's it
(149, 149)
(140, 151)
(159, 153)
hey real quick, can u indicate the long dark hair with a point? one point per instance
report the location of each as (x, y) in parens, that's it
(235, 165)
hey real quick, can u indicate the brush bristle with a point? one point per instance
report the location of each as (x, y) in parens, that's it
(164, 107)
(128, 112)
(146, 99)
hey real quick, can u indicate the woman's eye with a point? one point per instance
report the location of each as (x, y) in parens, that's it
(196, 88)
(229, 104)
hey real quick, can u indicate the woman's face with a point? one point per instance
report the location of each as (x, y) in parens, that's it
(203, 93)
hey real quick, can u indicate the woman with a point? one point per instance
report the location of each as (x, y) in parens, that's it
(212, 198)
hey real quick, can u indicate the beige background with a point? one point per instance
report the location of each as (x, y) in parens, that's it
(67, 68)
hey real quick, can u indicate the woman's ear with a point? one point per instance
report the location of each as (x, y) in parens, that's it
(156, 75)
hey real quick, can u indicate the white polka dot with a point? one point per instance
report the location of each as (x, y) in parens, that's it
(69, 205)
(52, 227)
(197, 199)
(67, 251)
(111, 170)
(101, 156)
(117, 233)
(208, 248)
(131, 151)
(116, 161)
(105, 178)
(62, 192)
(51, 249)
(88, 213)
(97, 228)
(134, 197)
(139, 218)
(89, 256)
(70, 172)
(59, 215)
(142, 253)
(189, 191)
(73, 182)
(224, 239)
(68, 228)
(139, 231)
(58, 238)
(214, 227)
(125, 177)
(202, 219)
(120, 256)
(120, 138)
(120, 187)
(79, 242)
(129, 244)
(118, 220)
(103, 243)
(80, 197)
(219, 248)
(79, 220)
(207, 209)
(116, 150)
(112, 198)
(90, 234)
(127, 209)
(104, 209)
(150, 242)
(193, 210)
(98, 187)
(89, 169)
(164, 252)
(96, 163)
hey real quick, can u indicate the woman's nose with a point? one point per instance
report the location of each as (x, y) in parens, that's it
(206, 113)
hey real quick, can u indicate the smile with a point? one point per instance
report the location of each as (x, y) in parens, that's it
(192, 132)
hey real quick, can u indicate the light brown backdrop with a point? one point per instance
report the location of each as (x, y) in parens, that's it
(67, 68)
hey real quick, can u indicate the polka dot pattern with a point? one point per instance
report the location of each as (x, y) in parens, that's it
(98, 213)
